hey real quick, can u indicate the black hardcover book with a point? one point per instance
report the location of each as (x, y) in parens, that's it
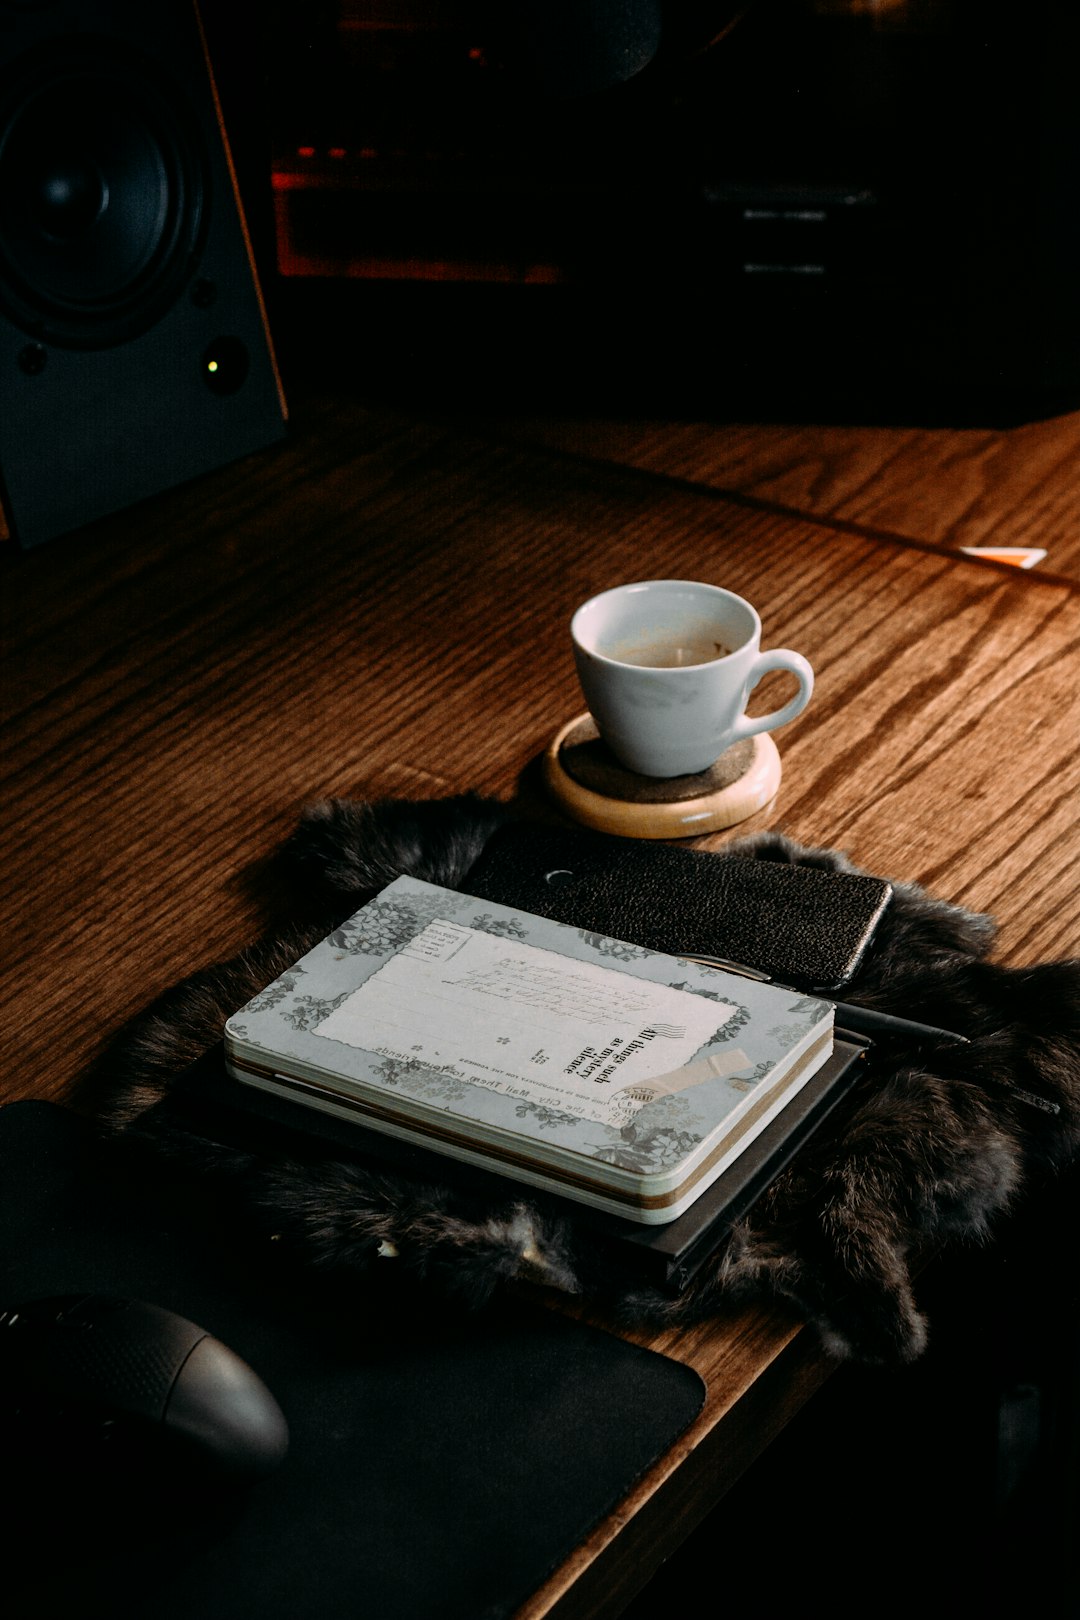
(667, 1256)
(670, 1255)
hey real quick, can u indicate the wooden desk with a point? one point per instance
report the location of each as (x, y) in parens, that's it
(951, 487)
(380, 607)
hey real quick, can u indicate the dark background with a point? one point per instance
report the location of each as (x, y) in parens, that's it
(462, 216)
(935, 148)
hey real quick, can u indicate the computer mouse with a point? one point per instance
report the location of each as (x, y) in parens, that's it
(90, 1364)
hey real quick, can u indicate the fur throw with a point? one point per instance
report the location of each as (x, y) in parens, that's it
(935, 1147)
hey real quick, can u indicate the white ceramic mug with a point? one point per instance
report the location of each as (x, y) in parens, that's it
(667, 667)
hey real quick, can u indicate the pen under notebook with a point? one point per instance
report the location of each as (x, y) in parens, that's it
(868, 1021)
(863, 1020)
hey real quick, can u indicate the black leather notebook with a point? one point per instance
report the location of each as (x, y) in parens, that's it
(803, 925)
(439, 1468)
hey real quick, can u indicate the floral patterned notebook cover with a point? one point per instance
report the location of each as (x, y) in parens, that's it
(619, 1076)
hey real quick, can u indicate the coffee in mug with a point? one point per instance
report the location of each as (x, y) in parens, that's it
(677, 654)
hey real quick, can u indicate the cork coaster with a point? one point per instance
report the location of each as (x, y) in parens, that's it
(586, 779)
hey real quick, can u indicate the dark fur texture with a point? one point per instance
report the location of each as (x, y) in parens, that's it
(928, 1151)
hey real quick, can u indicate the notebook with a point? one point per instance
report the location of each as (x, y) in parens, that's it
(622, 1078)
(810, 926)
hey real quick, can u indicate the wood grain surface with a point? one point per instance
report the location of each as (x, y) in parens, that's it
(953, 487)
(380, 607)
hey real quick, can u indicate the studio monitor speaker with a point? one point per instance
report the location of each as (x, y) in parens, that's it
(134, 351)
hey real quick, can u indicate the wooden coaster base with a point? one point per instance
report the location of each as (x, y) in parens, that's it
(587, 781)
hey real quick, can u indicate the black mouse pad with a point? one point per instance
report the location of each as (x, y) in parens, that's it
(440, 1466)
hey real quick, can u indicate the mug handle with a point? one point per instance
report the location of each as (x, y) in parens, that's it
(795, 664)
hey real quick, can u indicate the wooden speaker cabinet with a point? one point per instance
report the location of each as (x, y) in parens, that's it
(134, 349)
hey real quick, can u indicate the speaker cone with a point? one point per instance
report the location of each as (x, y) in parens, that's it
(102, 195)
